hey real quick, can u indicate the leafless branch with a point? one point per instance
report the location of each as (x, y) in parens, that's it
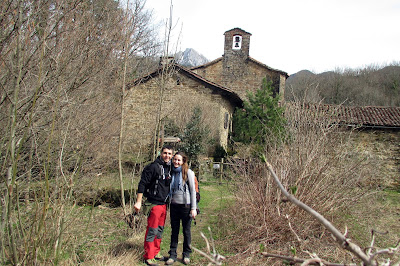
(215, 258)
(312, 261)
(366, 258)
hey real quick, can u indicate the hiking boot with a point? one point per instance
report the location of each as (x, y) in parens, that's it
(151, 262)
(159, 257)
(170, 261)
(186, 260)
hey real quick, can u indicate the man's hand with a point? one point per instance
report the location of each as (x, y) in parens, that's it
(138, 204)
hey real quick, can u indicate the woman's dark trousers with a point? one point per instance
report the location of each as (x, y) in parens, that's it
(178, 213)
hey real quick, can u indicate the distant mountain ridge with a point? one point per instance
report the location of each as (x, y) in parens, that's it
(190, 58)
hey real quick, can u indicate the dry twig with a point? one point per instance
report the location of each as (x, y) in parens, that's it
(368, 258)
(214, 257)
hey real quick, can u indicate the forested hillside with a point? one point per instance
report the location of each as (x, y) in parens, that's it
(370, 86)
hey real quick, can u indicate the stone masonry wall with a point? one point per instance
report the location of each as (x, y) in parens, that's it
(142, 103)
(381, 150)
(212, 72)
(241, 77)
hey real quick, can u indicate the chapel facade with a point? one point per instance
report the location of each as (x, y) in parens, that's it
(171, 93)
(237, 70)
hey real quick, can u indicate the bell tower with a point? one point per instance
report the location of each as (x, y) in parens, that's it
(235, 58)
(237, 43)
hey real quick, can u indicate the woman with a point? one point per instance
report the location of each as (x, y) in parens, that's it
(183, 206)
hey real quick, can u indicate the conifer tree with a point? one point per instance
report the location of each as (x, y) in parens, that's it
(194, 135)
(261, 117)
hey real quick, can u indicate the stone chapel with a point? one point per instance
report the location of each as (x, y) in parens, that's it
(171, 92)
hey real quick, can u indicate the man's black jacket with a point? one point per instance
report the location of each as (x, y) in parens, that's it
(155, 181)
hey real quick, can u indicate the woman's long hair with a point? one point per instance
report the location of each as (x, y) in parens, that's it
(185, 166)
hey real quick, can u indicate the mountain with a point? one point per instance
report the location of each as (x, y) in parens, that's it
(301, 74)
(190, 58)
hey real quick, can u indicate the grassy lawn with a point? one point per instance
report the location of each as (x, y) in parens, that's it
(100, 236)
(378, 211)
(214, 198)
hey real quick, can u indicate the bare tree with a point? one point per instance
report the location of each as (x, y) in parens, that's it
(167, 70)
(138, 41)
(59, 105)
(372, 85)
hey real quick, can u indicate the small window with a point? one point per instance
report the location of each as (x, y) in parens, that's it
(237, 42)
(226, 120)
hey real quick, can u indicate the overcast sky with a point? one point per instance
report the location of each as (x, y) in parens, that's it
(291, 35)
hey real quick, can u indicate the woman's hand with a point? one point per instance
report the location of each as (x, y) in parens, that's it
(193, 213)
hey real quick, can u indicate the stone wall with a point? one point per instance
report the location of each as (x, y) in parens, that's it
(181, 96)
(379, 150)
(241, 76)
(212, 72)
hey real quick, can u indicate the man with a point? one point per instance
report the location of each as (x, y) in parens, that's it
(154, 185)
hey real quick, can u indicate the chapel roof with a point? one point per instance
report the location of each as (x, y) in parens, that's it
(237, 29)
(250, 59)
(217, 88)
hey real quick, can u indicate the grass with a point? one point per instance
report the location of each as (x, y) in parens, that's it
(106, 239)
(215, 197)
(100, 236)
(380, 212)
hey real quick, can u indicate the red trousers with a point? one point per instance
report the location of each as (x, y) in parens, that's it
(155, 228)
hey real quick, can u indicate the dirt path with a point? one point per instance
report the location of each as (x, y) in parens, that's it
(214, 198)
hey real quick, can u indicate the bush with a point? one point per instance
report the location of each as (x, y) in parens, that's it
(219, 153)
(194, 136)
(314, 166)
(261, 118)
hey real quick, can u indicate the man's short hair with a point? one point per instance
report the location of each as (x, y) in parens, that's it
(168, 147)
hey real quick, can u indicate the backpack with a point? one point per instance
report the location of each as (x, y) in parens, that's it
(197, 189)
(196, 185)
(152, 188)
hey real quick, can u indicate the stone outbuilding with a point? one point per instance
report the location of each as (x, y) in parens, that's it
(173, 91)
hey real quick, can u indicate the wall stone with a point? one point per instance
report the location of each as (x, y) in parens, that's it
(241, 76)
(381, 150)
(180, 98)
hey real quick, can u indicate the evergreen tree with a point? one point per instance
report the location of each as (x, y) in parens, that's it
(261, 118)
(194, 135)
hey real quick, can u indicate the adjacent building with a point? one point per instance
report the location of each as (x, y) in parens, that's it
(171, 92)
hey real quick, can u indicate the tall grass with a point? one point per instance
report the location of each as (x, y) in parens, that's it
(316, 167)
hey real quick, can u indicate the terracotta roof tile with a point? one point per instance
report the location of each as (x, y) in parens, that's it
(363, 116)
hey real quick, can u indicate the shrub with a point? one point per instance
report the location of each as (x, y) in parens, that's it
(314, 166)
(193, 136)
(261, 118)
(219, 153)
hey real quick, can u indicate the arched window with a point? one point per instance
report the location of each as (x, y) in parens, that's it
(237, 42)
